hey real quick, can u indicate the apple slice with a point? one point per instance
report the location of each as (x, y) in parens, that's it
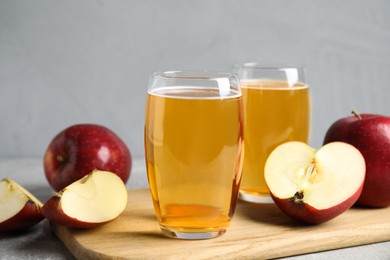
(19, 209)
(95, 199)
(315, 186)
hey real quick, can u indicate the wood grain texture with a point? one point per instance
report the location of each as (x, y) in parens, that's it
(257, 231)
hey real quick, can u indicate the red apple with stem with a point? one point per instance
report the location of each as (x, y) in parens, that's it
(19, 209)
(370, 134)
(314, 186)
(82, 148)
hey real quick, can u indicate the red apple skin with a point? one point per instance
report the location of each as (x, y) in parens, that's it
(305, 213)
(371, 136)
(80, 149)
(26, 218)
(52, 211)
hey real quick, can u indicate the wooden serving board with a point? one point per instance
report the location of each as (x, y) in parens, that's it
(257, 231)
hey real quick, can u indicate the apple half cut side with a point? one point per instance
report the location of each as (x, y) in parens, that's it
(95, 199)
(19, 209)
(314, 186)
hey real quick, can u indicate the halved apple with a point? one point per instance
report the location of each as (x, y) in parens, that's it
(315, 186)
(19, 209)
(95, 199)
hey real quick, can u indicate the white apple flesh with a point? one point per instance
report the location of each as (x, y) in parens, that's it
(97, 198)
(19, 209)
(315, 186)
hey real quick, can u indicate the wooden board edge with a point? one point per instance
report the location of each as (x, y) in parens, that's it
(74, 247)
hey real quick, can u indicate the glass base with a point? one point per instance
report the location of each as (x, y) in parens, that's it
(255, 198)
(192, 235)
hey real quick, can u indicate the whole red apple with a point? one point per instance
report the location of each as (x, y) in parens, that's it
(370, 134)
(80, 149)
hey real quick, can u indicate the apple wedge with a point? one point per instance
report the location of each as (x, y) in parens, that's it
(314, 186)
(95, 199)
(19, 209)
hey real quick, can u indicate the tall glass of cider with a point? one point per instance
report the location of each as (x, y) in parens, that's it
(276, 104)
(194, 151)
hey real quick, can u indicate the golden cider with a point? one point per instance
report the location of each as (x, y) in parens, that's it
(274, 113)
(194, 154)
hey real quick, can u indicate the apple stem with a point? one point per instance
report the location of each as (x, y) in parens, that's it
(356, 113)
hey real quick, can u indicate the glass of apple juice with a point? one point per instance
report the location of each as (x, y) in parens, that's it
(194, 151)
(276, 106)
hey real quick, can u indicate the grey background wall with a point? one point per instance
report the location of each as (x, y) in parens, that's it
(67, 62)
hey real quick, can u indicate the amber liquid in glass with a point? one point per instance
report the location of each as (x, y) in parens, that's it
(274, 113)
(194, 154)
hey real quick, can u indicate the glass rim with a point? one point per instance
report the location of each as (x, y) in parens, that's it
(227, 83)
(193, 74)
(269, 66)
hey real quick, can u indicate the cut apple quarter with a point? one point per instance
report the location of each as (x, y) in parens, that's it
(95, 199)
(19, 209)
(315, 186)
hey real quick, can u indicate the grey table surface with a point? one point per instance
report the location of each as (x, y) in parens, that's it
(40, 243)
